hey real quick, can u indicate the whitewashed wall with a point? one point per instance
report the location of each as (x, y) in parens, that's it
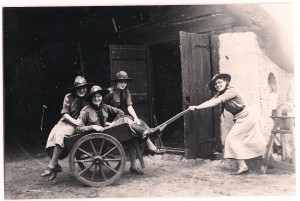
(242, 58)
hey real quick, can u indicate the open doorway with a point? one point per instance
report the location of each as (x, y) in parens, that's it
(167, 91)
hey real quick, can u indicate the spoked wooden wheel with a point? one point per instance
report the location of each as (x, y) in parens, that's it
(97, 159)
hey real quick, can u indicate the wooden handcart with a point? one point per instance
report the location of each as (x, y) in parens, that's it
(98, 159)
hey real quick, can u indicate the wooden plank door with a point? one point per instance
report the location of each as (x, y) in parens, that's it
(196, 73)
(134, 61)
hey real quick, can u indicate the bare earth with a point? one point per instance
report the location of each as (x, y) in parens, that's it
(165, 176)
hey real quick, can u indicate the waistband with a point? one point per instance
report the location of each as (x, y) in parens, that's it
(238, 111)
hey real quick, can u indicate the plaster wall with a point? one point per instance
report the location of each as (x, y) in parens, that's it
(242, 58)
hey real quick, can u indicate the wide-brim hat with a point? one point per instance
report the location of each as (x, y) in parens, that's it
(97, 89)
(121, 75)
(211, 84)
(79, 82)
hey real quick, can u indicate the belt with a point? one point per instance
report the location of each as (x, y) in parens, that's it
(238, 111)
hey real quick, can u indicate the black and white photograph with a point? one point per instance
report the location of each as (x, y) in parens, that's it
(148, 100)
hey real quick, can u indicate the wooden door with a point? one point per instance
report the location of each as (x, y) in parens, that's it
(196, 73)
(134, 61)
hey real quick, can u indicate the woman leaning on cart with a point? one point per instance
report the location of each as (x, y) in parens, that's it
(72, 105)
(244, 140)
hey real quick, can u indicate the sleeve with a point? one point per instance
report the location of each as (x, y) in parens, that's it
(107, 99)
(115, 111)
(83, 117)
(229, 94)
(66, 108)
(128, 98)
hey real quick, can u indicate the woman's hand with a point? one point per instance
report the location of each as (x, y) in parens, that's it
(109, 124)
(98, 128)
(193, 108)
(137, 121)
(76, 122)
(71, 120)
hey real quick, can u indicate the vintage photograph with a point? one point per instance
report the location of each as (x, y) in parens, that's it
(148, 101)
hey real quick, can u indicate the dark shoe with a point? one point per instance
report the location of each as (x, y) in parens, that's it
(58, 168)
(241, 171)
(157, 152)
(48, 172)
(218, 151)
(151, 131)
(52, 176)
(145, 134)
(136, 171)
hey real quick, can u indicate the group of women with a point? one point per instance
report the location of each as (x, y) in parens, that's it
(84, 111)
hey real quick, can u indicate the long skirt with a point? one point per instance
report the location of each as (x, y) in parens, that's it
(244, 140)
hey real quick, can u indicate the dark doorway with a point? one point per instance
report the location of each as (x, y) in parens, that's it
(167, 91)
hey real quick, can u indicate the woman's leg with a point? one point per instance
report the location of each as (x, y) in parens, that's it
(56, 153)
(133, 169)
(150, 144)
(132, 158)
(151, 147)
(53, 168)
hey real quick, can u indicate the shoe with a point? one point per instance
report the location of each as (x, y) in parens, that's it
(52, 176)
(48, 172)
(218, 151)
(136, 171)
(145, 134)
(157, 152)
(241, 171)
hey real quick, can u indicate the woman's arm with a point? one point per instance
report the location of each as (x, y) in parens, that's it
(70, 119)
(207, 104)
(133, 114)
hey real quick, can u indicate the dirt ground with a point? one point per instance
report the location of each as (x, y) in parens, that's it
(165, 176)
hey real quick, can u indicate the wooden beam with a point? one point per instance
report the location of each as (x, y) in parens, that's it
(279, 164)
(241, 16)
(156, 34)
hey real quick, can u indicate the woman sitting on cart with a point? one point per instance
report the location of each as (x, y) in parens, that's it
(72, 105)
(120, 97)
(94, 117)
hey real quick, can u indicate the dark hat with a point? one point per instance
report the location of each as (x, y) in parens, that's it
(79, 82)
(97, 89)
(211, 84)
(121, 75)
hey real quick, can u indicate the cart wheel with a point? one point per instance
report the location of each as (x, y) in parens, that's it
(84, 164)
(97, 159)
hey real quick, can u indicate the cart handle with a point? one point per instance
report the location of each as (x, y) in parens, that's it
(173, 119)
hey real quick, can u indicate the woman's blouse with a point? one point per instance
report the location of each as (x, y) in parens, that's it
(72, 105)
(97, 116)
(232, 99)
(119, 98)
